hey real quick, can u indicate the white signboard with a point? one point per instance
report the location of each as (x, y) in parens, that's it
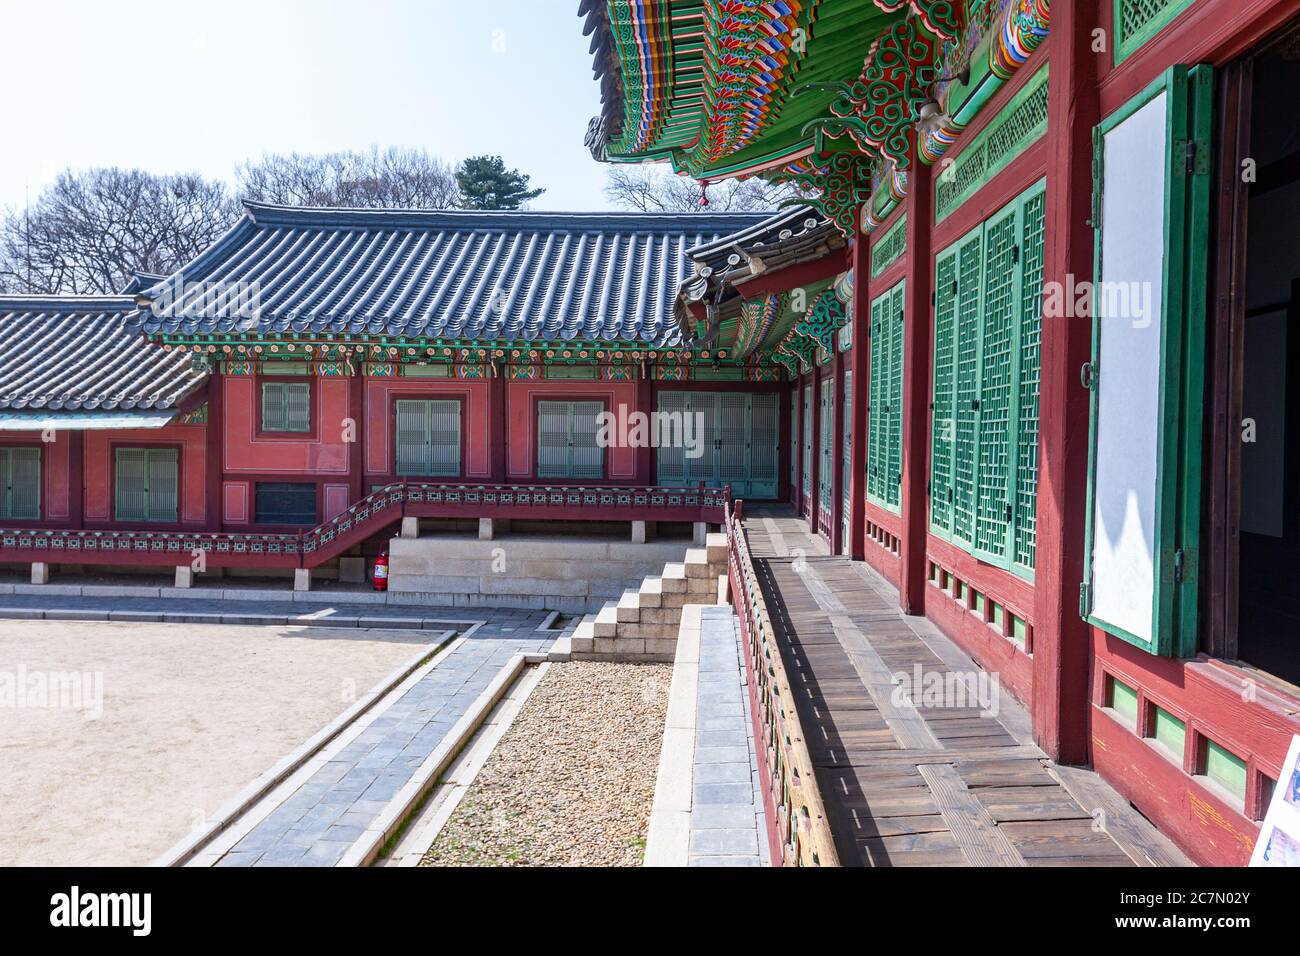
(1279, 837)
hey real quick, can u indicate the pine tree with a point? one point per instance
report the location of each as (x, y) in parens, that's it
(485, 183)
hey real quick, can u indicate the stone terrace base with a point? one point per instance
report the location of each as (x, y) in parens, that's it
(570, 573)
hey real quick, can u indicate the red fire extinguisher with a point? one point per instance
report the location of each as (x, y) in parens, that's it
(381, 572)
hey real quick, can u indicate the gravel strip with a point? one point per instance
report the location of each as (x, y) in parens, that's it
(572, 781)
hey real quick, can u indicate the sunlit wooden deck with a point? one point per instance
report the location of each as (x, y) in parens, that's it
(907, 783)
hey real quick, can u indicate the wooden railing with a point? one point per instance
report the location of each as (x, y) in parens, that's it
(369, 516)
(796, 814)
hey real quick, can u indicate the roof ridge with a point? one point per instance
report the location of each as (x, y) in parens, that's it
(67, 302)
(269, 213)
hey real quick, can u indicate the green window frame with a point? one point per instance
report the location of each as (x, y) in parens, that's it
(286, 407)
(889, 248)
(985, 387)
(885, 399)
(20, 482)
(826, 444)
(805, 479)
(567, 445)
(428, 437)
(1017, 126)
(1147, 378)
(146, 485)
(1137, 21)
(740, 439)
(794, 437)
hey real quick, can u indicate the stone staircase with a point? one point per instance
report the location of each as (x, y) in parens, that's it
(642, 625)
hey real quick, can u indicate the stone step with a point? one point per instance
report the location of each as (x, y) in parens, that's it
(677, 600)
(661, 615)
(651, 594)
(697, 563)
(583, 638)
(715, 546)
(702, 585)
(605, 623)
(673, 578)
(629, 607)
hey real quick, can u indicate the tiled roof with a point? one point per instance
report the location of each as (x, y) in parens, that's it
(75, 353)
(454, 275)
(799, 234)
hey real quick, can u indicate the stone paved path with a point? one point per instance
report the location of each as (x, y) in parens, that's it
(317, 822)
(727, 825)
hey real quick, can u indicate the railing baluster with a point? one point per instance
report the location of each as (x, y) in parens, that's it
(801, 824)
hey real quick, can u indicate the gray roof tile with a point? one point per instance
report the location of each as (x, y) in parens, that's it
(522, 276)
(75, 353)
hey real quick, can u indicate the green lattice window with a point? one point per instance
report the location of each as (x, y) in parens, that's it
(428, 437)
(286, 407)
(885, 408)
(567, 445)
(733, 436)
(146, 484)
(826, 444)
(20, 482)
(1019, 124)
(942, 421)
(1031, 323)
(805, 479)
(984, 436)
(889, 248)
(1137, 21)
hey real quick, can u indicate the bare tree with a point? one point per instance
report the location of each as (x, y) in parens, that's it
(647, 188)
(90, 230)
(394, 178)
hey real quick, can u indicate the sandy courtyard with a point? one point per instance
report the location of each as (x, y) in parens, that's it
(191, 713)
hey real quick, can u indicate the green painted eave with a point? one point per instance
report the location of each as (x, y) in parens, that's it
(840, 35)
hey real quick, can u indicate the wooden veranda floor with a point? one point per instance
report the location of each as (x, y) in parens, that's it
(907, 783)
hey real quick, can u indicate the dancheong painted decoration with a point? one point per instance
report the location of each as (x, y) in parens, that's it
(790, 92)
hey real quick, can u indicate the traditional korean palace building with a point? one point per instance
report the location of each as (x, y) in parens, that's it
(317, 375)
(1042, 360)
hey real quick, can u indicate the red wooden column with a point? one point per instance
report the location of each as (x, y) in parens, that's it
(837, 442)
(215, 435)
(643, 468)
(1060, 638)
(917, 359)
(796, 491)
(861, 393)
(76, 479)
(497, 423)
(357, 448)
(783, 445)
(814, 459)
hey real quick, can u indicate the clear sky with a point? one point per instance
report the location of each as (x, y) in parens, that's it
(183, 85)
